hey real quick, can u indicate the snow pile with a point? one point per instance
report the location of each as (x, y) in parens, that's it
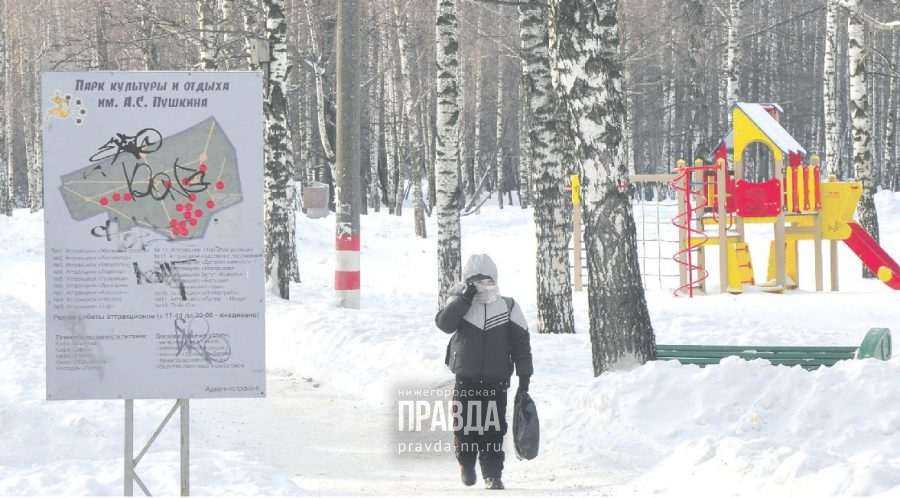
(75, 447)
(747, 426)
(662, 428)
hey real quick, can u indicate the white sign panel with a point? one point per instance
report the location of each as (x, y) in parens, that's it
(154, 235)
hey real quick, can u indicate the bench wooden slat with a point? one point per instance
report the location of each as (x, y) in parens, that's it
(809, 364)
(756, 349)
(876, 344)
(786, 355)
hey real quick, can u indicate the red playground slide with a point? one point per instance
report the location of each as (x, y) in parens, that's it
(873, 256)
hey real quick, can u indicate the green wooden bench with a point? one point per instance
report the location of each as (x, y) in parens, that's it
(876, 344)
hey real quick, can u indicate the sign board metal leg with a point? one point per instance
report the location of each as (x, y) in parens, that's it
(129, 447)
(185, 447)
(131, 462)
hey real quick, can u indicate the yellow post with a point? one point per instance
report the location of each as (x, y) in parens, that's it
(789, 188)
(820, 285)
(801, 189)
(780, 266)
(576, 230)
(723, 227)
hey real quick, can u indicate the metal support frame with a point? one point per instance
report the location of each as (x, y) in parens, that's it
(577, 231)
(834, 265)
(576, 242)
(131, 461)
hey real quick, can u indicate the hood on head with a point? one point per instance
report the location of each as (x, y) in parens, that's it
(480, 264)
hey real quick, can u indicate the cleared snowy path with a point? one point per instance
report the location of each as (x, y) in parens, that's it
(329, 442)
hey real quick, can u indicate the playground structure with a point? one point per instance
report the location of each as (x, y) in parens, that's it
(715, 204)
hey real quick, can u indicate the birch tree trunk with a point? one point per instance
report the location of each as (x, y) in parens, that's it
(829, 89)
(418, 199)
(390, 144)
(308, 134)
(889, 118)
(447, 148)
(525, 169)
(297, 96)
(500, 170)
(226, 12)
(478, 165)
(467, 173)
(31, 154)
(250, 20)
(586, 46)
(36, 163)
(278, 181)
(205, 22)
(861, 124)
(13, 65)
(699, 115)
(318, 69)
(149, 52)
(411, 128)
(669, 109)
(627, 129)
(5, 137)
(894, 172)
(732, 54)
(554, 285)
(430, 154)
(9, 165)
(376, 107)
(101, 28)
(390, 137)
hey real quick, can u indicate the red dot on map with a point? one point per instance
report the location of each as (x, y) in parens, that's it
(117, 197)
(193, 222)
(167, 183)
(128, 197)
(192, 197)
(182, 225)
(189, 207)
(179, 207)
(173, 223)
(104, 201)
(185, 181)
(187, 215)
(198, 213)
(220, 185)
(203, 167)
(210, 204)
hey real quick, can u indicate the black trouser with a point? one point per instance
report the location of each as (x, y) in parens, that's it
(480, 435)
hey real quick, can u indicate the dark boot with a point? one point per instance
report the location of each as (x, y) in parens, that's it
(493, 483)
(466, 458)
(467, 474)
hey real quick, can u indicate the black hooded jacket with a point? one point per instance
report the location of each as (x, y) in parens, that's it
(488, 338)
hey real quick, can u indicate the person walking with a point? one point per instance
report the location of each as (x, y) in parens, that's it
(490, 337)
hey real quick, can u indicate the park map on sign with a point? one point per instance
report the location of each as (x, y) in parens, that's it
(170, 185)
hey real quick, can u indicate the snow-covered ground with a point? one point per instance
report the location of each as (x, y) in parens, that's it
(329, 423)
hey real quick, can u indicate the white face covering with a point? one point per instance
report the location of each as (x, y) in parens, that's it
(486, 293)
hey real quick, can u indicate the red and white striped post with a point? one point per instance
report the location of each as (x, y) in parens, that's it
(347, 187)
(346, 269)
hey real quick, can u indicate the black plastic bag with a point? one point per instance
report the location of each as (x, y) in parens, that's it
(526, 428)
